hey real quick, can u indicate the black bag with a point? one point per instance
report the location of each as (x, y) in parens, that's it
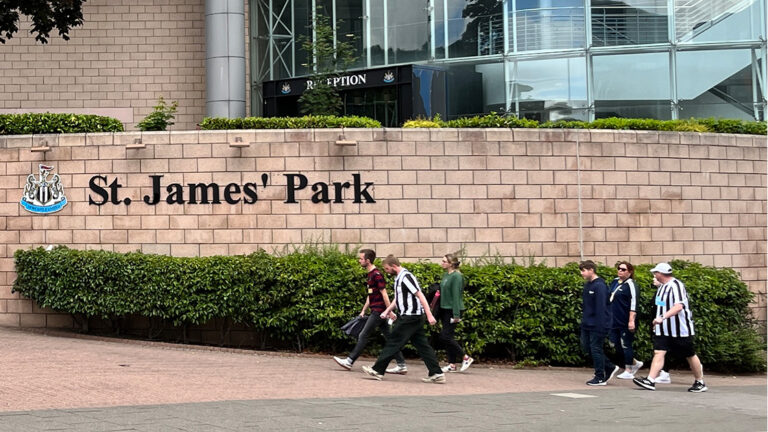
(354, 326)
(433, 297)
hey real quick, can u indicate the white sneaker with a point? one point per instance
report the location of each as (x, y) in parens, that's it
(636, 367)
(345, 363)
(435, 379)
(466, 363)
(625, 375)
(397, 369)
(372, 374)
(663, 378)
(449, 368)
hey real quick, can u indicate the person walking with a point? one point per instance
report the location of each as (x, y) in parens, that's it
(377, 300)
(595, 322)
(409, 326)
(672, 330)
(449, 313)
(623, 309)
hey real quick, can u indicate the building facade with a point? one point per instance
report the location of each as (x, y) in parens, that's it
(541, 59)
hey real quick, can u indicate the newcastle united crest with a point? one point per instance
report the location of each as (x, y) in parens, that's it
(43, 195)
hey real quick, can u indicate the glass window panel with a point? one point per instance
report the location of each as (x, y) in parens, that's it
(718, 20)
(474, 28)
(376, 19)
(549, 24)
(716, 84)
(350, 27)
(632, 85)
(475, 88)
(407, 30)
(551, 89)
(631, 22)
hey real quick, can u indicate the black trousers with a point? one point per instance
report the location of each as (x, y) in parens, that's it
(447, 337)
(408, 328)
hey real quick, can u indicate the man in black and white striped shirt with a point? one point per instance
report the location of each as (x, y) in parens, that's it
(673, 329)
(409, 326)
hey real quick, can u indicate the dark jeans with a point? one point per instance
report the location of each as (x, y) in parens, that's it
(622, 339)
(447, 338)
(408, 328)
(592, 344)
(374, 322)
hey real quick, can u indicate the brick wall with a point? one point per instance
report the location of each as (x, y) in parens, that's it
(645, 197)
(125, 55)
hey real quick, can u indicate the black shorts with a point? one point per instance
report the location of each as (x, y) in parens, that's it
(682, 346)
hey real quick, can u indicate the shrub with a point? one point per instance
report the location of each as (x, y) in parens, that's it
(525, 314)
(160, 118)
(306, 122)
(52, 123)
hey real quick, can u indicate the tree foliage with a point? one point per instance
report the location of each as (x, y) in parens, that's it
(325, 60)
(46, 15)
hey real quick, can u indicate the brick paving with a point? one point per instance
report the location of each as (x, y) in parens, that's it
(75, 383)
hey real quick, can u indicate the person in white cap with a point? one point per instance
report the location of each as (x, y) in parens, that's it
(673, 329)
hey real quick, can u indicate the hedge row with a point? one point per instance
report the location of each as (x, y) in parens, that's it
(306, 122)
(690, 125)
(50, 123)
(514, 312)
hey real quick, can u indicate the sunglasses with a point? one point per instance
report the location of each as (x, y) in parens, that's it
(622, 269)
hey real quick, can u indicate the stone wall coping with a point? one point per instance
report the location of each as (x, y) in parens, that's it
(249, 136)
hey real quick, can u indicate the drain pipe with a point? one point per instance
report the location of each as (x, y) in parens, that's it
(224, 58)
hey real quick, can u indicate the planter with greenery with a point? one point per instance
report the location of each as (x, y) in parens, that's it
(53, 123)
(519, 313)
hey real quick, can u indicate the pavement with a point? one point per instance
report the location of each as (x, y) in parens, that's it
(68, 382)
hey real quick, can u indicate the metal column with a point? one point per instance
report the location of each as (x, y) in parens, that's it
(225, 58)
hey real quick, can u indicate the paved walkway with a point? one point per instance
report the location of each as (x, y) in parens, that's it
(53, 382)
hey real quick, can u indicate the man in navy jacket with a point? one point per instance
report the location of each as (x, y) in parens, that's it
(595, 323)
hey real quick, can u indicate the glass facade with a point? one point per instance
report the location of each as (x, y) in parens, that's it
(541, 59)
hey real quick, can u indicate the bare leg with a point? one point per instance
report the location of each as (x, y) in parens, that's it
(657, 364)
(696, 368)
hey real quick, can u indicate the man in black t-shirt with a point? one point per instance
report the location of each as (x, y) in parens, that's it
(377, 300)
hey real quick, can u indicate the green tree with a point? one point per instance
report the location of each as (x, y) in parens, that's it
(160, 118)
(325, 60)
(46, 15)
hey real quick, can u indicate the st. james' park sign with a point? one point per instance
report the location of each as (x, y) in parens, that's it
(105, 191)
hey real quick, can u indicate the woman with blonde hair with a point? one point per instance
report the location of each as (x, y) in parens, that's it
(449, 314)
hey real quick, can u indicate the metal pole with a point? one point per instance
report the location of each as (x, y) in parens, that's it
(368, 33)
(673, 82)
(271, 43)
(386, 32)
(314, 36)
(431, 8)
(293, 38)
(445, 27)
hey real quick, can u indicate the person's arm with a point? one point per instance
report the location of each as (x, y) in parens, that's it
(632, 305)
(365, 306)
(385, 296)
(670, 313)
(387, 311)
(430, 318)
(601, 304)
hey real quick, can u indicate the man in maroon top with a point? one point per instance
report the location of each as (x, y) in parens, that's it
(377, 300)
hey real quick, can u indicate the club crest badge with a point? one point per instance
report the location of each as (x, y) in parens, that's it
(43, 195)
(389, 77)
(286, 89)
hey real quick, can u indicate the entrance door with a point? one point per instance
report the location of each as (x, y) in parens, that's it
(376, 103)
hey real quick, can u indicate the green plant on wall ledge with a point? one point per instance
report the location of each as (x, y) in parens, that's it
(160, 118)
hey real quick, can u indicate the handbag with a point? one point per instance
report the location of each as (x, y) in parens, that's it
(354, 326)
(433, 295)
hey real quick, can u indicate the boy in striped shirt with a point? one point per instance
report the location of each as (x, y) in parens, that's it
(413, 307)
(673, 329)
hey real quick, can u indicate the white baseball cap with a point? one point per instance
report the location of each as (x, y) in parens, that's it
(662, 267)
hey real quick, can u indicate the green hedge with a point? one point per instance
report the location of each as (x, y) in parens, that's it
(306, 122)
(514, 312)
(50, 123)
(689, 125)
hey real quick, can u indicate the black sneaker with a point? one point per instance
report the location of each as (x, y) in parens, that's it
(698, 387)
(645, 383)
(595, 381)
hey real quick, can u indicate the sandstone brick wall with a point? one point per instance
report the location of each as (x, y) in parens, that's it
(125, 55)
(645, 197)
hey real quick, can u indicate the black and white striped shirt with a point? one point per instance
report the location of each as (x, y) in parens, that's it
(406, 289)
(668, 295)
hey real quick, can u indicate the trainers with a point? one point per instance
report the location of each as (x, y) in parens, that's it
(372, 374)
(625, 375)
(612, 373)
(645, 383)
(398, 369)
(345, 363)
(449, 368)
(466, 363)
(698, 387)
(664, 378)
(636, 367)
(436, 379)
(595, 381)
